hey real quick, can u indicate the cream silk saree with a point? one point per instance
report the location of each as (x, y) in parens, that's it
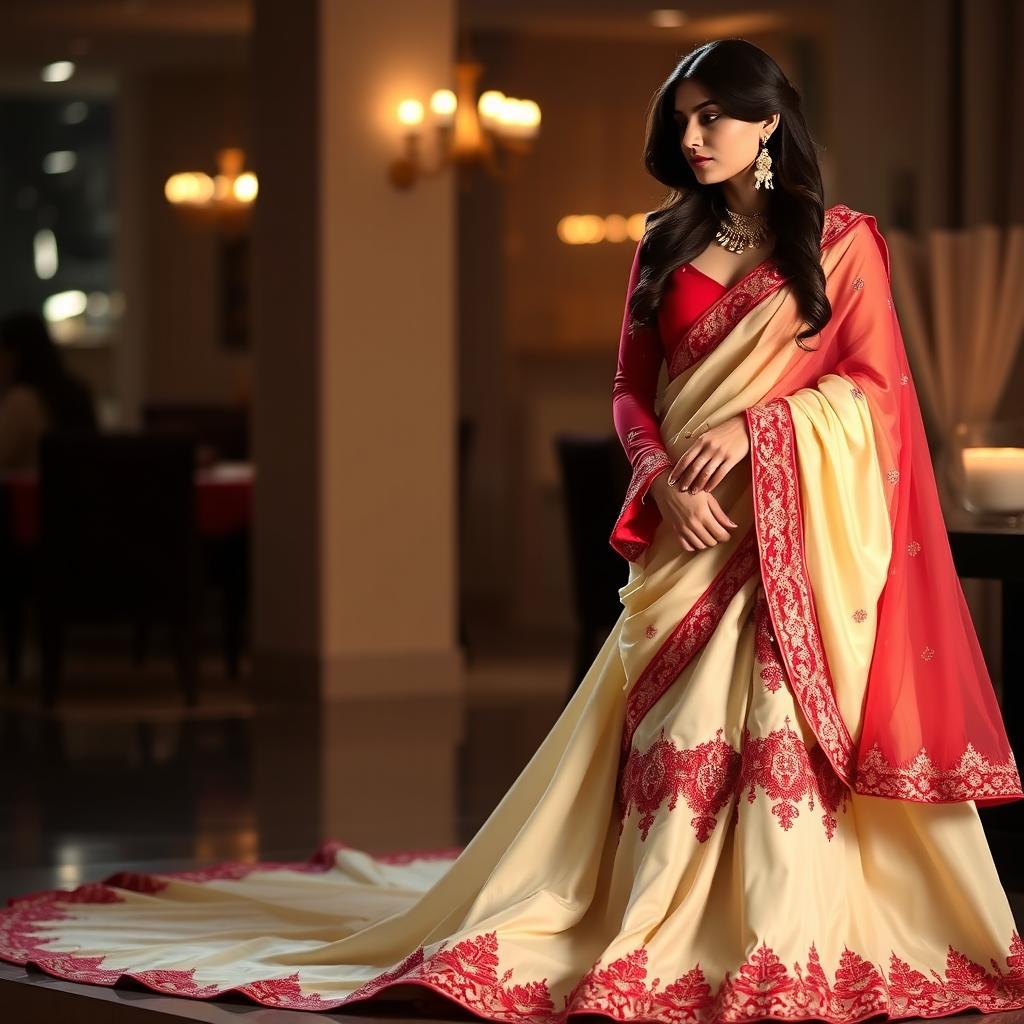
(748, 810)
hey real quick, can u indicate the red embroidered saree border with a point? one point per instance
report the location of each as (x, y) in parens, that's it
(973, 777)
(715, 323)
(468, 973)
(687, 638)
(778, 525)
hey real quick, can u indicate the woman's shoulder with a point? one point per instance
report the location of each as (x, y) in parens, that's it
(840, 218)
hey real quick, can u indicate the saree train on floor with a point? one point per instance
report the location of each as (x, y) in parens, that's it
(759, 804)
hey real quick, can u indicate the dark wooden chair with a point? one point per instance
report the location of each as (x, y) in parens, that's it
(118, 541)
(595, 475)
(220, 430)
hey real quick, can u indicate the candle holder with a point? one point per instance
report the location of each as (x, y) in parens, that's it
(985, 470)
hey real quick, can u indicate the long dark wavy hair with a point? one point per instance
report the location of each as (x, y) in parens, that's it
(748, 85)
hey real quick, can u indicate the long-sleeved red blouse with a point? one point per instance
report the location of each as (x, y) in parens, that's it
(688, 294)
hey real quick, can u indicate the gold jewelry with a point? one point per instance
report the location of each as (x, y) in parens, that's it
(763, 166)
(742, 230)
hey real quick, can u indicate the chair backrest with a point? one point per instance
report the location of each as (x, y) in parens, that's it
(222, 428)
(594, 479)
(117, 519)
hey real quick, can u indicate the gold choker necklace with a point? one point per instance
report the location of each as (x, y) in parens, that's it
(742, 230)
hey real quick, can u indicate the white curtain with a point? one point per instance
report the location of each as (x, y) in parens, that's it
(960, 300)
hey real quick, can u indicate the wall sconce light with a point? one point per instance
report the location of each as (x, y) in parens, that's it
(468, 132)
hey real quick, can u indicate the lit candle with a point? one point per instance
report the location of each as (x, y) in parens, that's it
(994, 478)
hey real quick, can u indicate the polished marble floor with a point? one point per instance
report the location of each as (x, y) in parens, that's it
(121, 775)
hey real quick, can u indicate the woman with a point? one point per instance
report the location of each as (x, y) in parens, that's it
(760, 803)
(37, 393)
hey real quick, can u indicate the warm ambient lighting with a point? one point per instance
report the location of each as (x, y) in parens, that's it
(588, 229)
(410, 112)
(245, 187)
(58, 71)
(468, 131)
(667, 18)
(994, 478)
(442, 105)
(227, 194)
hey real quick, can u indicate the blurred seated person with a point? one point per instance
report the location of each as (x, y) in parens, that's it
(38, 394)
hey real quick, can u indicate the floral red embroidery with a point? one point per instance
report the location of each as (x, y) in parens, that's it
(643, 475)
(788, 772)
(22, 943)
(762, 987)
(468, 973)
(922, 780)
(407, 966)
(766, 648)
(705, 775)
(651, 632)
(617, 989)
(779, 529)
(711, 774)
(285, 993)
(683, 643)
(178, 983)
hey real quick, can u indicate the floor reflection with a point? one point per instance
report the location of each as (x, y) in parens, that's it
(121, 775)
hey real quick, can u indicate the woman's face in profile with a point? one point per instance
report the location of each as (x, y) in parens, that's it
(705, 130)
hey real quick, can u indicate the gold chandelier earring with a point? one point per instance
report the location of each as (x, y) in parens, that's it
(763, 166)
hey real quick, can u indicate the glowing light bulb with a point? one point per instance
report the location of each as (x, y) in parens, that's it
(410, 113)
(246, 186)
(192, 187)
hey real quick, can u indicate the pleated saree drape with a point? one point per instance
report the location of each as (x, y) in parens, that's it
(702, 836)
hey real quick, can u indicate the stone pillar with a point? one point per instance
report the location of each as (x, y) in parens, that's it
(355, 403)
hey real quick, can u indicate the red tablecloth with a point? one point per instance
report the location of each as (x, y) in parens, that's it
(223, 501)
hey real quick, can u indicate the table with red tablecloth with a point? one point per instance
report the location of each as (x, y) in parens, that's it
(223, 501)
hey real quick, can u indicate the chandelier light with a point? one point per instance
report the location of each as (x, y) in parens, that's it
(226, 196)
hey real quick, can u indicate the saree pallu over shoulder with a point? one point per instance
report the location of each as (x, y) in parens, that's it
(875, 632)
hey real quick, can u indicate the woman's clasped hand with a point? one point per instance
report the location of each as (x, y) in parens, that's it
(684, 493)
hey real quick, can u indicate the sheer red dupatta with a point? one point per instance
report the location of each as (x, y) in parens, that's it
(930, 728)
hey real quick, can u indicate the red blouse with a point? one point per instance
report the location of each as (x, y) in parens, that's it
(688, 294)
